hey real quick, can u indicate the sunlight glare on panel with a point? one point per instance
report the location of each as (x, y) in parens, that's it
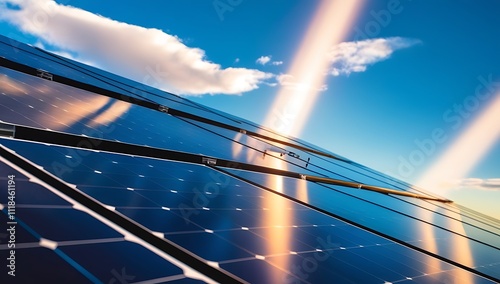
(116, 110)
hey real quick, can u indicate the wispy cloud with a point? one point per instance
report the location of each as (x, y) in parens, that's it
(290, 82)
(263, 60)
(476, 183)
(146, 55)
(348, 57)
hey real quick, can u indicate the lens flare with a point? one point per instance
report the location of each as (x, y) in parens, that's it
(306, 77)
(461, 157)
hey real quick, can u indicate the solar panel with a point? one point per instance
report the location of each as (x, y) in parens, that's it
(59, 241)
(118, 182)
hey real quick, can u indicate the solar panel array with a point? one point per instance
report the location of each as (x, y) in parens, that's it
(118, 182)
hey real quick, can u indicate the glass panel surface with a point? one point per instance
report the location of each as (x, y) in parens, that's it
(56, 243)
(386, 214)
(242, 227)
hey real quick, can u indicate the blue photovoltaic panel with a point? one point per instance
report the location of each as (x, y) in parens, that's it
(161, 132)
(23, 54)
(251, 218)
(66, 109)
(241, 227)
(55, 64)
(79, 241)
(58, 65)
(389, 215)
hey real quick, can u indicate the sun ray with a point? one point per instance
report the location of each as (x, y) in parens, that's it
(294, 102)
(468, 149)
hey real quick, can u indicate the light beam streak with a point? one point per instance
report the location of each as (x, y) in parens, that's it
(461, 157)
(332, 21)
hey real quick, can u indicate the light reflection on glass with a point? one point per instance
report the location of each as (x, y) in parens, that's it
(117, 109)
(429, 241)
(460, 253)
(237, 147)
(277, 221)
(61, 119)
(59, 107)
(302, 191)
(11, 87)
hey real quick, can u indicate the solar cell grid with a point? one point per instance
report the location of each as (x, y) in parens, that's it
(57, 243)
(54, 64)
(345, 169)
(378, 213)
(125, 135)
(237, 238)
(86, 73)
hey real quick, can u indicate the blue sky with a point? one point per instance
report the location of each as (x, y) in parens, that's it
(377, 112)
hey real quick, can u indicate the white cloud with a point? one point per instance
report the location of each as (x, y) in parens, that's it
(146, 55)
(63, 53)
(263, 60)
(476, 183)
(348, 57)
